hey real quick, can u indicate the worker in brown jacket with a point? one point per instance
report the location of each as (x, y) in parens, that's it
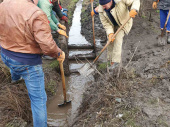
(25, 35)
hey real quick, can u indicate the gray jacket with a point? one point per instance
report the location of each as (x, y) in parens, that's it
(163, 4)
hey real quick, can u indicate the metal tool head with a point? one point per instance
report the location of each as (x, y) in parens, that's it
(86, 69)
(162, 40)
(64, 104)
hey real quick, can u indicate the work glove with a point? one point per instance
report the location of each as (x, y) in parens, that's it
(111, 39)
(154, 5)
(62, 26)
(64, 9)
(133, 13)
(95, 11)
(92, 13)
(64, 13)
(61, 57)
(62, 32)
(64, 18)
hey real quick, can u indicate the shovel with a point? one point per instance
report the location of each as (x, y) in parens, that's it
(162, 40)
(64, 86)
(89, 68)
(93, 27)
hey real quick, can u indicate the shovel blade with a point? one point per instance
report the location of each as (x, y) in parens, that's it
(162, 41)
(86, 70)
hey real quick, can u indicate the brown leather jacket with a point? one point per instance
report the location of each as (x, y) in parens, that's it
(24, 28)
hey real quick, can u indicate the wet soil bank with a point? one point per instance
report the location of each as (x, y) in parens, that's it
(140, 97)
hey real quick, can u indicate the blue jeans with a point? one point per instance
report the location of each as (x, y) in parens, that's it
(163, 17)
(34, 80)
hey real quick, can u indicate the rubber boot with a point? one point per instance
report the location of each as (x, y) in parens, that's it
(168, 37)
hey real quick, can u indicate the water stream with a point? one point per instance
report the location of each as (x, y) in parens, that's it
(75, 84)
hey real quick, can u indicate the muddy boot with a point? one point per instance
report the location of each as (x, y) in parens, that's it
(168, 37)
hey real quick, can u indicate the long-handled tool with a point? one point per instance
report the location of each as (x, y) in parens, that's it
(88, 68)
(64, 86)
(162, 40)
(93, 27)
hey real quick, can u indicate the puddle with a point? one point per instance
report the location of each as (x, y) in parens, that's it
(75, 84)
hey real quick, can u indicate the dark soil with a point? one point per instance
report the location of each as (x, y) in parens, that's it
(143, 85)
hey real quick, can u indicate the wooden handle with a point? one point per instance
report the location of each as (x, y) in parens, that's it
(108, 42)
(167, 18)
(93, 27)
(63, 80)
(162, 34)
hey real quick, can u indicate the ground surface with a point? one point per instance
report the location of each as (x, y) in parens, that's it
(144, 91)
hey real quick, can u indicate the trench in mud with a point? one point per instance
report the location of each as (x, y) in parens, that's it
(75, 84)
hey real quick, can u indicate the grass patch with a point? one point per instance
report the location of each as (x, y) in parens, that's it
(51, 87)
(102, 66)
(54, 64)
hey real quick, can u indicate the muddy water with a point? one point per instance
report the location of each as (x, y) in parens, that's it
(75, 84)
(75, 36)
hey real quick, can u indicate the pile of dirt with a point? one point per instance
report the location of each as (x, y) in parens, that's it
(145, 99)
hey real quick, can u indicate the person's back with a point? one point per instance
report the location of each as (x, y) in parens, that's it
(16, 33)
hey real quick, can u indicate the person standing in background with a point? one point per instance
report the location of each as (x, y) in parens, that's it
(164, 7)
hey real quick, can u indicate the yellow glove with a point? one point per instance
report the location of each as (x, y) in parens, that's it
(154, 5)
(62, 26)
(111, 39)
(62, 32)
(61, 57)
(92, 13)
(133, 13)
